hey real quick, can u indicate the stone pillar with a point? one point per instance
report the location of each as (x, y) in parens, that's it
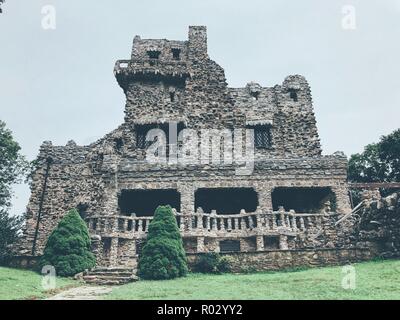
(200, 244)
(342, 199)
(114, 252)
(187, 198)
(97, 248)
(283, 244)
(264, 198)
(131, 253)
(259, 243)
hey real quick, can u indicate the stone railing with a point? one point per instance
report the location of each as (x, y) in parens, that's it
(213, 224)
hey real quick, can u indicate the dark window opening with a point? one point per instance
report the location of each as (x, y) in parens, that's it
(229, 246)
(190, 245)
(145, 202)
(303, 200)
(82, 209)
(262, 137)
(153, 54)
(118, 144)
(142, 131)
(106, 246)
(271, 243)
(255, 94)
(226, 200)
(293, 95)
(176, 53)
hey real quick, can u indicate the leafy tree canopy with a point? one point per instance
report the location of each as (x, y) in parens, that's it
(380, 162)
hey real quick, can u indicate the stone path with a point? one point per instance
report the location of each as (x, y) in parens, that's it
(82, 293)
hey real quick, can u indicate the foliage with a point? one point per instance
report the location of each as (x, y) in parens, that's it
(68, 246)
(380, 162)
(13, 165)
(163, 256)
(212, 262)
(10, 227)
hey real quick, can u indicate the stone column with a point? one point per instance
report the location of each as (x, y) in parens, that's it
(283, 244)
(97, 248)
(114, 252)
(260, 243)
(200, 244)
(264, 198)
(131, 253)
(187, 198)
(342, 199)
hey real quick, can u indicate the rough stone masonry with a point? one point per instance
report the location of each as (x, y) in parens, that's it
(290, 203)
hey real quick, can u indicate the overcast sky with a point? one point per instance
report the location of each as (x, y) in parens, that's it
(59, 84)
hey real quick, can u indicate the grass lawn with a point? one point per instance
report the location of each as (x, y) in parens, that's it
(374, 280)
(25, 284)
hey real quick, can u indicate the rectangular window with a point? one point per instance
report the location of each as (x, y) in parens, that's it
(141, 139)
(176, 53)
(153, 54)
(271, 242)
(229, 245)
(262, 137)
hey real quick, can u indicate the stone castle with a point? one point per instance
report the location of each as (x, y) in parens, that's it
(286, 213)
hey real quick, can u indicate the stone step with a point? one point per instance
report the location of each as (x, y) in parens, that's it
(108, 282)
(105, 273)
(110, 275)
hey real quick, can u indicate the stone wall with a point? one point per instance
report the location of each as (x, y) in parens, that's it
(291, 259)
(379, 223)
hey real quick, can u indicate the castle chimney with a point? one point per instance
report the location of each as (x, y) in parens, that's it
(198, 42)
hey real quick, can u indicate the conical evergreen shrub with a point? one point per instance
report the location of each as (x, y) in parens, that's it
(68, 246)
(163, 256)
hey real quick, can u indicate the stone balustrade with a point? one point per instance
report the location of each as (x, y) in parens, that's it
(212, 224)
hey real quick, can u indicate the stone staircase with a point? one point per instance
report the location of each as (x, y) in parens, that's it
(109, 275)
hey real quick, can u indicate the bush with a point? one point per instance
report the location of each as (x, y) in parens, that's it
(68, 246)
(10, 227)
(163, 256)
(212, 262)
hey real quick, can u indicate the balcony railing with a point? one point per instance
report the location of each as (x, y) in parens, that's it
(213, 225)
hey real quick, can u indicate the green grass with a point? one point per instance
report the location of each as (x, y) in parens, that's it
(374, 280)
(25, 284)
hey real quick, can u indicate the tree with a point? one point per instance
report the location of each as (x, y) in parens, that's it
(163, 256)
(68, 246)
(13, 167)
(380, 162)
(1, 1)
(10, 227)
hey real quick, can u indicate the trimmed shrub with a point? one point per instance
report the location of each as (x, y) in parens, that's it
(68, 246)
(212, 262)
(163, 256)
